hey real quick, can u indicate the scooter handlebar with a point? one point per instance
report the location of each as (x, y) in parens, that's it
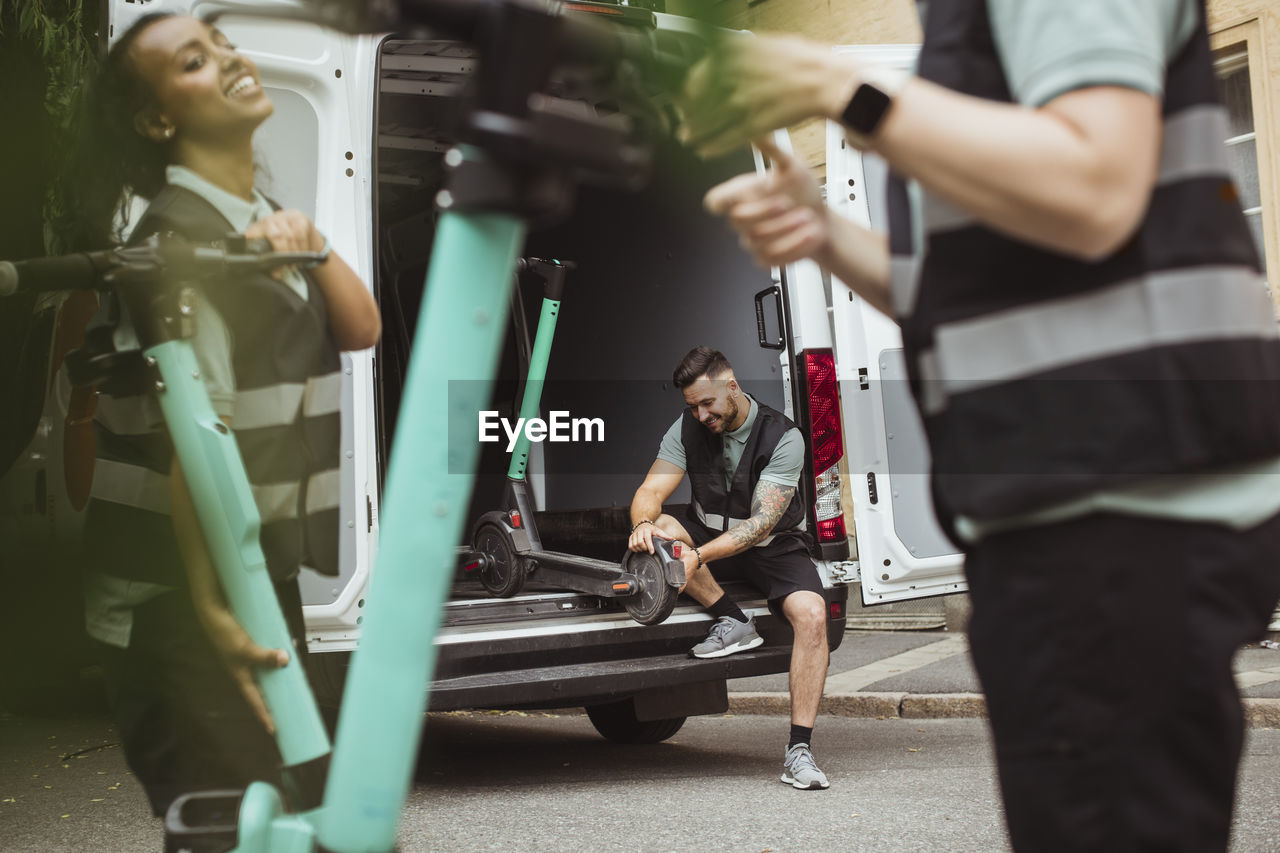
(80, 271)
(160, 255)
(584, 39)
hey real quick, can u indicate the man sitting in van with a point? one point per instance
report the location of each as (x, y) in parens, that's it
(746, 517)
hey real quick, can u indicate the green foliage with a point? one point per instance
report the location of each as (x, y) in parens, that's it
(63, 37)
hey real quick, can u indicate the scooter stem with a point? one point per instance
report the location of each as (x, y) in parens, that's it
(229, 520)
(531, 404)
(460, 328)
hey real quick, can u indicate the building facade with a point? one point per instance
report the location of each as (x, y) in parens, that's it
(1245, 37)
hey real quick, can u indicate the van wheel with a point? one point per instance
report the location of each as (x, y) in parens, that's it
(654, 601)
(504, 572)
(617, 722)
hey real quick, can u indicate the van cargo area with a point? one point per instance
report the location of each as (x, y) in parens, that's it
(654, 277)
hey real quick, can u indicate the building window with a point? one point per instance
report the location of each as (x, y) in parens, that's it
(1232, 64)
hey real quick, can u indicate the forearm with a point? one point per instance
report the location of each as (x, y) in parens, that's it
(741, 537)
(1031, 174)
(645, 506)
(353, 313)
(860, 258)
(202, 578)
(1073, 176)
(768, 503)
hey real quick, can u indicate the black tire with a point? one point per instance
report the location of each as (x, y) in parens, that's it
(617, 722)
(504, 571)
(655, 599)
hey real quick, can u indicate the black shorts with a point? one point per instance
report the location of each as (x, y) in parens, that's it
(777, 575)
(1104, 647)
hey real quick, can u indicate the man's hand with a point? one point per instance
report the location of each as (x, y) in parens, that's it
(750, 85)
(780, 216)
(641, 538)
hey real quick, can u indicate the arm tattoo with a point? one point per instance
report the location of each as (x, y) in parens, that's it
(767, 505)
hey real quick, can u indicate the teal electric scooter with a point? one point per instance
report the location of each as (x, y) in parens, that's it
(157, 281)
(519, 161)
(507, 549)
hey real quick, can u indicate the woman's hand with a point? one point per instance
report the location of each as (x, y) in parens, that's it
(780, 216)
(240, 653)
(750, 85)
(232, 642)
(353, 313)
(287, 231)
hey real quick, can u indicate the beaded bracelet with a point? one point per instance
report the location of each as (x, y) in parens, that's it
(640, 522)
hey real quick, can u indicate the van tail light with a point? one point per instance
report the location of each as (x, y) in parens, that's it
(826, 438)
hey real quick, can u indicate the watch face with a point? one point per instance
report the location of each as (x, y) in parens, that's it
(866, 109)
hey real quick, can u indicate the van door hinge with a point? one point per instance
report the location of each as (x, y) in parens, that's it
(368, 508)
(846, 571)
(863, 382)
(872, 494)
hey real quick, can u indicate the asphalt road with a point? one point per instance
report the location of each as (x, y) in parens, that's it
(543, 782)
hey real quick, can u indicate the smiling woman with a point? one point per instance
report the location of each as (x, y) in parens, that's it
(172, 120)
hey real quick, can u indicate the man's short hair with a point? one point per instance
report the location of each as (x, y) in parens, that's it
(698, 362)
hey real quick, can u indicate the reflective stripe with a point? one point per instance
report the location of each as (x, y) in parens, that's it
(1177, 307)
(276, 501)
(904, 283)
(1193, 146)
(943, 216)
(135, 415)
(323, 395)
(130, 485)
(933, 396)
(324, 490)
(278, 405)
(271, 405)
(715, 521)
(279, 501)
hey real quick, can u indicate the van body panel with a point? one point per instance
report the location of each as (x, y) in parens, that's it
(902, 550)
(655, 277)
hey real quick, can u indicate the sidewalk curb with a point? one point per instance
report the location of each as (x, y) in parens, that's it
(1258, 713)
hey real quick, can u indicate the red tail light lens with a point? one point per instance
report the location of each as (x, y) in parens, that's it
(826, 439)
(824, 409)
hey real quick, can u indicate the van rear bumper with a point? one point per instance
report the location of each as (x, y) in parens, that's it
(588, 683)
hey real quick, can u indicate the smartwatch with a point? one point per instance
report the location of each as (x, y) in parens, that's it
(870, 103)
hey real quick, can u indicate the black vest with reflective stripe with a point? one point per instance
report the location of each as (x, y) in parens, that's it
(720, 508)
(287, 420)
(1042, 378)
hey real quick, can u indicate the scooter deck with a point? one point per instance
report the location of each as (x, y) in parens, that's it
(588, 567)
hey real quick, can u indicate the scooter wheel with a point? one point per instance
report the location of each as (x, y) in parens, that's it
(655, 599)
(504, 572)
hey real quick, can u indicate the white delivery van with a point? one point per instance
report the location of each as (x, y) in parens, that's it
(356, 141)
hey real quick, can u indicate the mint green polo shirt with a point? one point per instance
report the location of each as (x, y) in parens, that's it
(1049, 48)
(784, 466)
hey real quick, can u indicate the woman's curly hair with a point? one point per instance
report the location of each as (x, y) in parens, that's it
(113, 161)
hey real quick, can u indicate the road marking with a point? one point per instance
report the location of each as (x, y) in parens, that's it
(1254, 677)
(856, 679)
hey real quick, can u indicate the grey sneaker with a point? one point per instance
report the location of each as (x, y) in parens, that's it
(799, 770)
(727, 636)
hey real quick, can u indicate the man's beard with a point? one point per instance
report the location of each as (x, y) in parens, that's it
(728, 418)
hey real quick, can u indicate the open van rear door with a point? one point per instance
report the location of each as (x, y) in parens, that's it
(902, 551)
(313, 154)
